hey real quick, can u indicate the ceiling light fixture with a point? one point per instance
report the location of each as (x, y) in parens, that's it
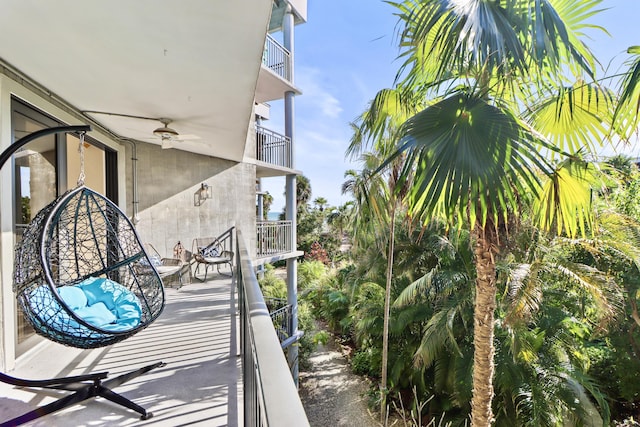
(165, 131)
(166, 134)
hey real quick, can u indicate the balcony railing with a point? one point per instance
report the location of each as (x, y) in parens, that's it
(274, 238)
(277, 58)
(270, 395)
(273, 148)
(281, 316)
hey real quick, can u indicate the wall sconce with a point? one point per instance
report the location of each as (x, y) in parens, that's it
(203, 193)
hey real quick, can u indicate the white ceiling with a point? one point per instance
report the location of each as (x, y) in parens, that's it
(195, 62)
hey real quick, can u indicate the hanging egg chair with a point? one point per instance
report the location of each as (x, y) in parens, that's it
(83, 279)
(81, 275)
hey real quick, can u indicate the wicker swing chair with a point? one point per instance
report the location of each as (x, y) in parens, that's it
(83, 279)
(82, 240)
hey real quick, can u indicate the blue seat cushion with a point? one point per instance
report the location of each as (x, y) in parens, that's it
(116, 298)
(73, 297)
(98, 301)
(97, 314)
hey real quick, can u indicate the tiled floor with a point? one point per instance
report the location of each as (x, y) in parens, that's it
(196, 336)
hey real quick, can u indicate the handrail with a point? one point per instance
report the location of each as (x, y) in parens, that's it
(270, 395)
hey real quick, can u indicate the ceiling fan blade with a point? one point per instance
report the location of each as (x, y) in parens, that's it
(166, 143)
(186, 137)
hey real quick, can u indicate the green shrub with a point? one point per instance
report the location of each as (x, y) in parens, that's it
(360, 363)
(321, 337)
(271, 285)
(311, 274)
(307, 343)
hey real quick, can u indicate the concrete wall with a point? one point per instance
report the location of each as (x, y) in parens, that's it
(167, 181)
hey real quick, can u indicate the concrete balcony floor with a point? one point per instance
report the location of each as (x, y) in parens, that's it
(196, 336)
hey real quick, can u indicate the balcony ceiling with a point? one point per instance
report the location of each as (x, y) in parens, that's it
(195, 62)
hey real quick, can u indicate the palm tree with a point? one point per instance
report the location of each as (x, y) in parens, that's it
(340, 217)
(320, 203)
(303, 191)
(267, 201)
(378, 214)
(473, 157)
(541, 378)
(377, 128)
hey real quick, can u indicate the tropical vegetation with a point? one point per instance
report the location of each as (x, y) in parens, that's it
(494, 272)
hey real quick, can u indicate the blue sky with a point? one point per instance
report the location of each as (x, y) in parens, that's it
(347, 51)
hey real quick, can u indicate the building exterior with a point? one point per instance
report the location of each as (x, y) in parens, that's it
(205, 70)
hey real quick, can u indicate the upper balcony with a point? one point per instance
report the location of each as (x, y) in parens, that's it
(274, 241)
(273, 152)
(276, 73)
(147, 71)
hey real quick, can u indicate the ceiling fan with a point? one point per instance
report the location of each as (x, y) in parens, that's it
(166, 134)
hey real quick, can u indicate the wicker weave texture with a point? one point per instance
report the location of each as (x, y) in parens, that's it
(79, 235)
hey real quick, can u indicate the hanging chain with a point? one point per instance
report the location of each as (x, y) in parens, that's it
(81, 176)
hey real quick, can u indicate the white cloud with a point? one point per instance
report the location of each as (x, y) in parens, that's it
(315, 95)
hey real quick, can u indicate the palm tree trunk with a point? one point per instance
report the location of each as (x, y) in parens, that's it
(483, 319)
(385, 327)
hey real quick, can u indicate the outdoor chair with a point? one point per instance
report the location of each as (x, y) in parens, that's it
(171, 270)
(211, 251)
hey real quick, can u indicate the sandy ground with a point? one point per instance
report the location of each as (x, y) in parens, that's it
(331, 394)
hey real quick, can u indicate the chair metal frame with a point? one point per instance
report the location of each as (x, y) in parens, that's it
(224, 244)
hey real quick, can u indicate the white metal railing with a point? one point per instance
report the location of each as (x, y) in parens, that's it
(273, 148)
(274, 237)
(277, 58)
(270, 395)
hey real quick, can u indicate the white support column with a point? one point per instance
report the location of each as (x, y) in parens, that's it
(292, 274)
(291, 208)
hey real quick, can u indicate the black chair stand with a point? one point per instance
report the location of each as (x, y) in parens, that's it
(84, 387)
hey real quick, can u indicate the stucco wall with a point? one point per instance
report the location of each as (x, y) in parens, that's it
(167, 181)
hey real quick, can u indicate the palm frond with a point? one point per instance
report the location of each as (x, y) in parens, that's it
(434, 340)
(468, 153)
(622, 234)
(436, 284)
(575, 117)
(375, 128)
(627, 111)
(529, 40)
(524, 294)
(556, 29)
(598, 286)
(565, 202)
